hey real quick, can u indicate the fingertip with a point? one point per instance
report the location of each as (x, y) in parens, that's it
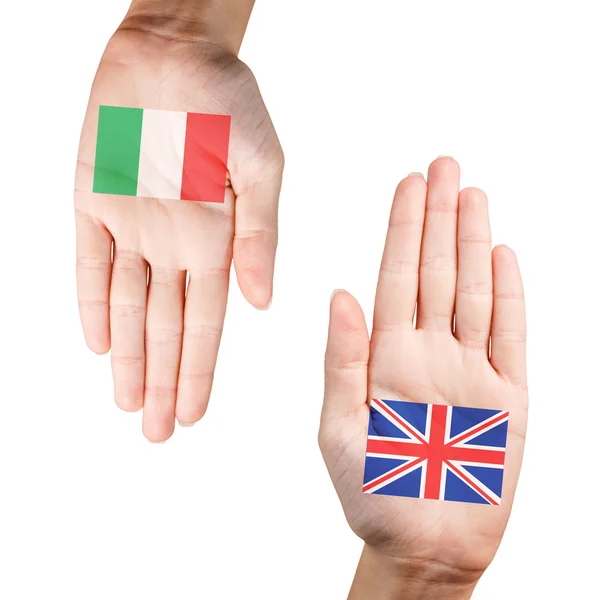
(262, 306)
(157, 436)
(446, 159)
(255, 277)
(98, 344)
(188, 412)
(411, 182)
(341, 301)
(504, 253)
(504, 259)
(100, 350)
(472, 196)
(129, 407)
(444, 165)
(345, 312)
(336, 292)
(256, 295)
(130, 402)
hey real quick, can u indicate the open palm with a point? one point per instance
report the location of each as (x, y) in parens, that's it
(437, 260)
(134, 255)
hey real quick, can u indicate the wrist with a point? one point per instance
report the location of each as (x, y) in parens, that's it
(219, 22)
(381, 577)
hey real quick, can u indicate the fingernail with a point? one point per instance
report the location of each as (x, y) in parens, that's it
(416, 174)
(157, 443)
(334, 293)
(186, 424)
(445, 156)
(268, 306)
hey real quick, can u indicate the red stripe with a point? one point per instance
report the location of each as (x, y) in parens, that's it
(391, 474)
(397, 419)
(435, 451)
(399, 448)
(205, 158)
(493, 457)
(479, 429)
(471, 484)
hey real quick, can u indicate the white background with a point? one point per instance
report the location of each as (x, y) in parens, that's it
(240, 506)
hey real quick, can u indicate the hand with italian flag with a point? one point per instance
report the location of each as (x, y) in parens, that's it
(156, 234)
(423, 425)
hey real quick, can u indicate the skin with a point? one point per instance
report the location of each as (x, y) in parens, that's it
(135, 254)
(438, 265)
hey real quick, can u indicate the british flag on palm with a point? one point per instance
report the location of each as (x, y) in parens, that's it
(435, 451)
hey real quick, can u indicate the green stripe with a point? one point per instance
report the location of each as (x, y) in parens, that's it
(118, 150)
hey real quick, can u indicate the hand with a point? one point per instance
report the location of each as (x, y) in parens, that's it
(438, 251)
(165, 338)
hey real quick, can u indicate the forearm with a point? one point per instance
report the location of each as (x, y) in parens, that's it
(222, 22)
(381, 578)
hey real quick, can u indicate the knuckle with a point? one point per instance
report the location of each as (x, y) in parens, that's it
(165, 275)
(475, 239)
(475, 288)
(160, 392)
(203, 332)
(196, 377)
(119, 360)
(400, 267)
(439, 263)
(159, 336)
(127, 260)
(92, 263)
(510, 337)
(127, 311)
(83, 304)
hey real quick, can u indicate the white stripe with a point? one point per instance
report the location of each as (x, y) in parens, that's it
(428, 422)
(423, 479)
(161, 154)
(448, 423)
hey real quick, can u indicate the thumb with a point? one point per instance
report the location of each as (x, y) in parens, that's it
(346, 358)
(255, 241)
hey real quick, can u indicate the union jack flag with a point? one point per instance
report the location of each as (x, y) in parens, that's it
(435, 451)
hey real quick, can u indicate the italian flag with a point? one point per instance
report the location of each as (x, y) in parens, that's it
(161, 154)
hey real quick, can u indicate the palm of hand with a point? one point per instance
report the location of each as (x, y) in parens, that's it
(429, 364)
(165, 341)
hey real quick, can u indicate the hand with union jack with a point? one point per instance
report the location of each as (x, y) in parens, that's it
(423, 424)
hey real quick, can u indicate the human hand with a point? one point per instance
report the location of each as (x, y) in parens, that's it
(164, 337)
(438, 258)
